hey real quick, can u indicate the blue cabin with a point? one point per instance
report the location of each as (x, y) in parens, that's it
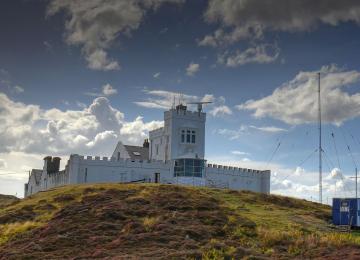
(346, 211)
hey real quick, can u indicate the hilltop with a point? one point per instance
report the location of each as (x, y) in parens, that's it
(166, 221)
(6, 200)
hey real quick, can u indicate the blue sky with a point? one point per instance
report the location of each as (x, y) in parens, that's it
(77, 77)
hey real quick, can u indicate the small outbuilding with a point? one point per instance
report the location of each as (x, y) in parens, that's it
(346, 211)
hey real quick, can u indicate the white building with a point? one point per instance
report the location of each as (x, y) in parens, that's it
(174, 154)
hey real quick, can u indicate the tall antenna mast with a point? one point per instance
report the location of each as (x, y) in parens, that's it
(320, 146)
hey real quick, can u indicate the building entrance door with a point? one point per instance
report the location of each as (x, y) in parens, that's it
(157, 177)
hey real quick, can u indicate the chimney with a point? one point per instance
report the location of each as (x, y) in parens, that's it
(47, 164)
(56, 164)
(146, 143)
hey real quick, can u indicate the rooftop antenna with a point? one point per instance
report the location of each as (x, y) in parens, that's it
(356, 184)
(200, 105)
(320, 146)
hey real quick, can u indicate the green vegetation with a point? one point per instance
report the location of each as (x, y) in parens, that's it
(6, 200)
(169, 222)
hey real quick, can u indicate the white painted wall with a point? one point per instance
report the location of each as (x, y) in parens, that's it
(158, 144)
(120, 150)
(237, 178)
(175, 121)
(165, 142)
(96, 170)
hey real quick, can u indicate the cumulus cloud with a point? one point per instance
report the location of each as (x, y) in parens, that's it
(299, 171)
(335, 174)
(108, 90)
(192, 69)
(137, 130)
(96, 24)
(262, 53)
(244, 19)
(30, 129)
(295, 102)
(162, 99)
(220, 111)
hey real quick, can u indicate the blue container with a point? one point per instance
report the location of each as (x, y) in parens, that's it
(346, 211)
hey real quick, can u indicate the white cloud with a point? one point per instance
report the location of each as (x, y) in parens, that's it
(243, 19)
(220, 111)
(162, 99)
(295, 102)
(239, 153)
(98, 60)
(192, 69)
(3, 164)
(335, 173)
(18, 89)
(108, 90)
(299, 171)
(234, 134)
(157, 75)
(268, 129)
(136, 131)
(96, 24)
(30, 129)
(262, 53)
(80, 104)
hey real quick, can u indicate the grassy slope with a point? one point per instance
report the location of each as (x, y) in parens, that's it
(167, 221)
(6, 200)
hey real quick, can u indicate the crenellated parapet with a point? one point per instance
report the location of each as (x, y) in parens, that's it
(235, 169)
(112, 161)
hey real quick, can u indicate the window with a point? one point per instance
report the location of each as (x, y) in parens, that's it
(118, 156)
(188, 136)
(85, 175)
(157, 149)
(193, 137)
(183, 136)
(189, 168)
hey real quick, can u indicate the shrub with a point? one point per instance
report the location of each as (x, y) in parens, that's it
(9, 231)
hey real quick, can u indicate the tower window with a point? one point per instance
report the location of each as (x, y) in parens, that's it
(193, 137)
(188, 136)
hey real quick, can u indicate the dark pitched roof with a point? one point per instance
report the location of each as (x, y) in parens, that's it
(137, 152)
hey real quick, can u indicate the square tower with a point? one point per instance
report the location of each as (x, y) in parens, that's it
(183, 135)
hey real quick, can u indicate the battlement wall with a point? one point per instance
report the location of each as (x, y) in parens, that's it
(184, 114)
(231, 169)
(112, 161)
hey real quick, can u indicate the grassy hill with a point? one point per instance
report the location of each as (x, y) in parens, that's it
(6, 200)
(168, 222)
